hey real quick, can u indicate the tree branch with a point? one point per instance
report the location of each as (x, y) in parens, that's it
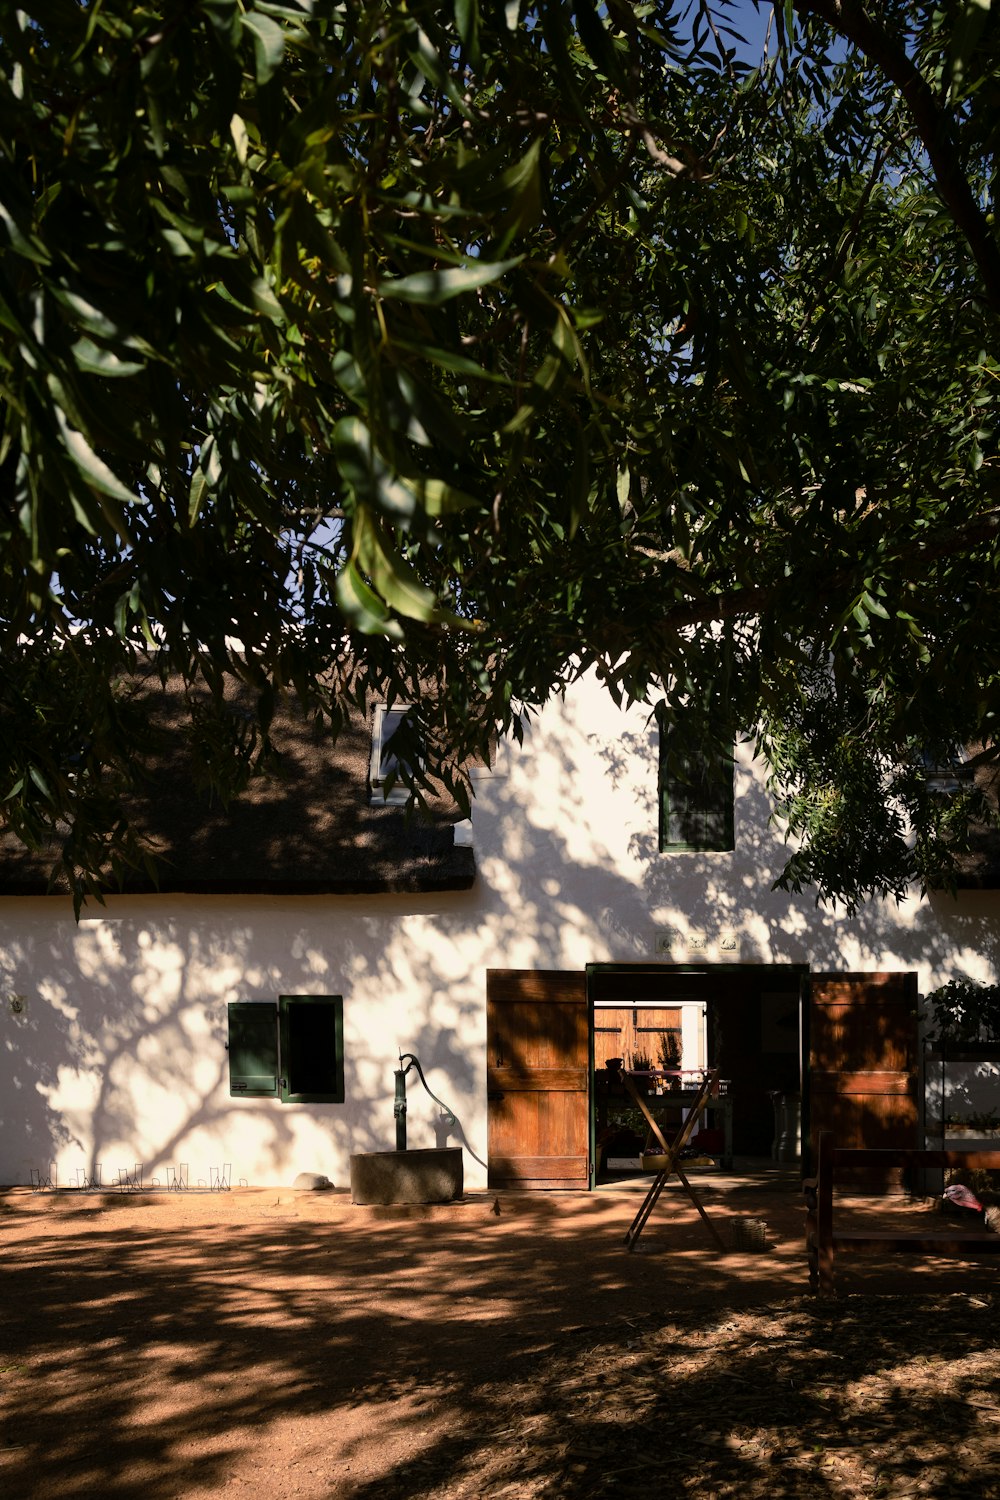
(934, 125)
(733, 604)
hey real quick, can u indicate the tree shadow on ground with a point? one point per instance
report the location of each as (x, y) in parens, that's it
(453, 1356)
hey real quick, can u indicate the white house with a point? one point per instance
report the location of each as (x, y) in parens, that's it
(512, 963)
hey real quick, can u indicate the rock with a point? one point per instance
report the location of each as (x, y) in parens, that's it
(312, 1182)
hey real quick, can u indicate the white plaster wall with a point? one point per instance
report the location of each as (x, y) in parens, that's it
(118, 1055)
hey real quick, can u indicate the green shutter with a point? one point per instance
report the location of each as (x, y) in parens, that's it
(253, 1049)
(312, 1048)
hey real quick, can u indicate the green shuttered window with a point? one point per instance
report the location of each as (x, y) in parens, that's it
(292, 1050)
(696, 798)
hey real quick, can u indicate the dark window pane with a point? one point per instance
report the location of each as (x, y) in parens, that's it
(312, 1056)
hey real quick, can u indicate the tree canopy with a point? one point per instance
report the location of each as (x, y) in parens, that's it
(350, 347)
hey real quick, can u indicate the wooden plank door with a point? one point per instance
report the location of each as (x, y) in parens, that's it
(611, 1034)
(538, 1079)
(863, 1060)
(631, 1031)
(652, 1027)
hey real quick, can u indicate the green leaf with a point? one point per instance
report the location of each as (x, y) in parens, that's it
(40, 782)
(441, 499)
(366, 471)
(84, 313)
(265, 301)
(391, 575)
(873, 606)
(453, 360)
(966, 33)
(596, 39)
(96, 360)
(523, 183)
(91, 466)
(268, 41)
(467, 26)
(241, 140)
(361, 606)
(578, 487)
(27, 245)
(196, 495)
(431, 288)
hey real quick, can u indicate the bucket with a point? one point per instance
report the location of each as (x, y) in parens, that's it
(748, 1234)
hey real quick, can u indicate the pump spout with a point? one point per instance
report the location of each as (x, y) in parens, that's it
(399, 1108)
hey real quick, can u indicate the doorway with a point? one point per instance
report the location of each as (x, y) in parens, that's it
(846, 1042)
(746, 1020)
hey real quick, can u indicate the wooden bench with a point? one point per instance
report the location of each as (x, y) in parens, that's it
(823, 1240)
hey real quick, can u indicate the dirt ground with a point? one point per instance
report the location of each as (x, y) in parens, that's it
(292, 1344)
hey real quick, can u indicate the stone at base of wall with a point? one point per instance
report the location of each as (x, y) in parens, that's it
(431, 1176)
(312, 1181)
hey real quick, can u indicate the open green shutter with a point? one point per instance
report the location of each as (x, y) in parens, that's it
(312, 1048)
(253, 1049)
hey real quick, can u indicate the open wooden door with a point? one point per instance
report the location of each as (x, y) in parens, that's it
(538, 1079)
(863, 1060)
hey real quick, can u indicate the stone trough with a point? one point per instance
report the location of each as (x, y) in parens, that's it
(428, 1176)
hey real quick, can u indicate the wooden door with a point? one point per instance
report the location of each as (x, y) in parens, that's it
(632, 1032)
(863, 1060)
(611, 1035)
(652, 1029)
(538, 1079)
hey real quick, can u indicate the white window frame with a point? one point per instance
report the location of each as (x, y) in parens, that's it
(948, 776)
(385, 723)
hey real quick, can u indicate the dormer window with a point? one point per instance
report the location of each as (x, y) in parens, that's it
(946, 776)
(386, 788)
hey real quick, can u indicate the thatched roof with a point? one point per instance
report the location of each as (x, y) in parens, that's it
(978, 867)
(306, 827)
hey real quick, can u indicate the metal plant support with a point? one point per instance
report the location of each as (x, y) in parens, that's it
(399, 1108)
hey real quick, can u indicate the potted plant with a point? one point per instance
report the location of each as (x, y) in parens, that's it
(669, 1052)
(965, 1033)
(979, 1125)
(964, 1012)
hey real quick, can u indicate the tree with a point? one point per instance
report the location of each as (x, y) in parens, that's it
(350, 347)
